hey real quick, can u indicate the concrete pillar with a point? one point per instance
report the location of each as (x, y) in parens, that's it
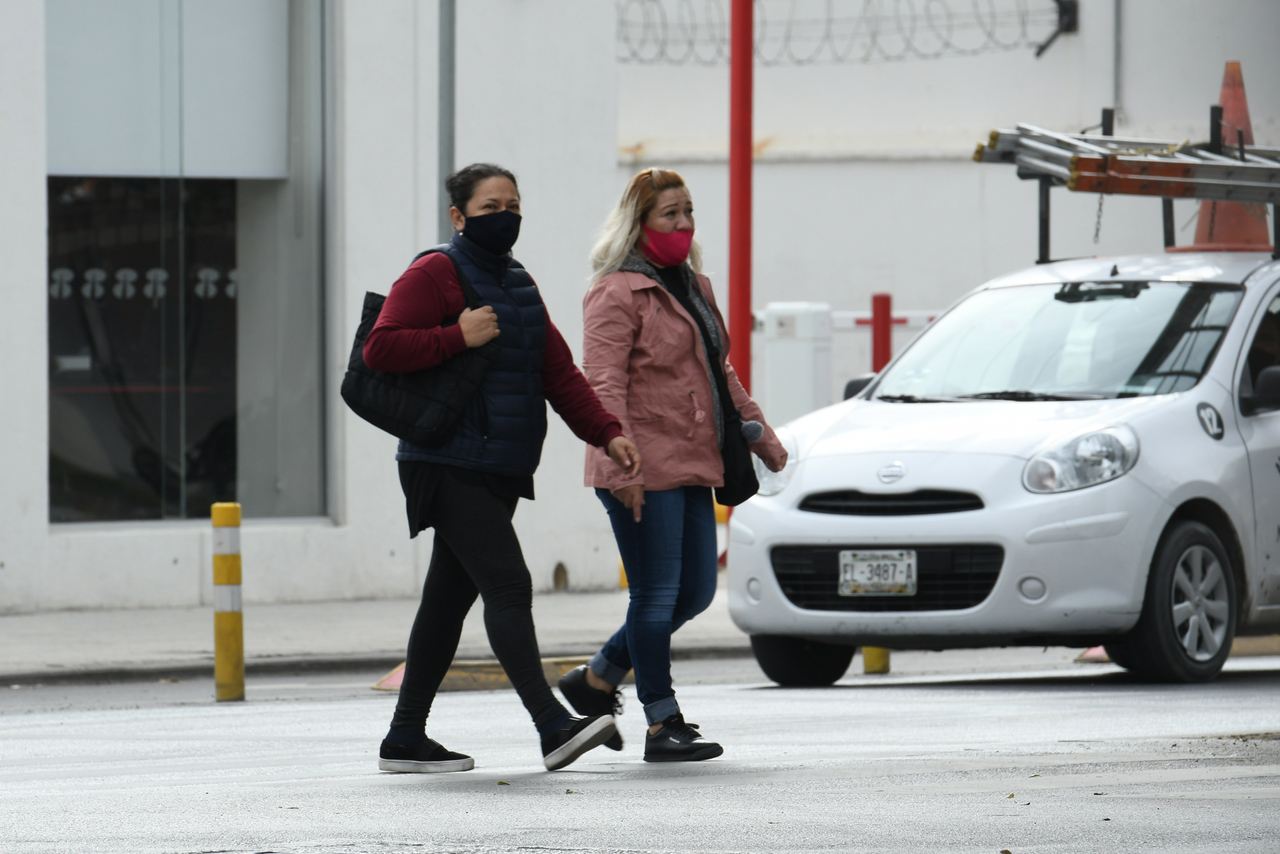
(24, 374)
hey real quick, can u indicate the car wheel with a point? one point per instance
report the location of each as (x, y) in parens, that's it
(1189, 615)
(797, 662)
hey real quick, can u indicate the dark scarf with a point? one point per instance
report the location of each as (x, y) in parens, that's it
(681, 284)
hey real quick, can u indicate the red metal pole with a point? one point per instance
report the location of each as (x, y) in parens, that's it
(741, 57)
(881, 330)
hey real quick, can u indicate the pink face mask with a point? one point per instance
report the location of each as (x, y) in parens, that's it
(667, 248)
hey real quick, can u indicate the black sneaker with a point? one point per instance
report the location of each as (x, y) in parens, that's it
(425, 757)
(678, 741)
(591, 701)
(575, 738)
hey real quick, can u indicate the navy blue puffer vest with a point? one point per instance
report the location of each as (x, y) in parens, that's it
(503, 429)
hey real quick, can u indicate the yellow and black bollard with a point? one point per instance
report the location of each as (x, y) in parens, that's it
(228, 621)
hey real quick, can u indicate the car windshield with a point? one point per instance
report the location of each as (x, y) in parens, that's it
(1079, 340)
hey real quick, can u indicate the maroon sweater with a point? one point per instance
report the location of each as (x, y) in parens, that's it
(409, 337)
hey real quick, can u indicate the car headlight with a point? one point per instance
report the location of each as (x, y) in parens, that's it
(773, 482)
(1084, 461)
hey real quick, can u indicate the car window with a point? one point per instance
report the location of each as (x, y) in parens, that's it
(1264, 352)
(1081, 339)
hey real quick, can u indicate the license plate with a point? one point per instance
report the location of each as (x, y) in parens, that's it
(867, 573)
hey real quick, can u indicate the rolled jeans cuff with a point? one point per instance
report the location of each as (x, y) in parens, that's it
(656, 713)
(606, 669)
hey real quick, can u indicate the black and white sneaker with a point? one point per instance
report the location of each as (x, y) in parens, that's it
(591, 701)
(575, 738)
(678, 741)
(425, 757)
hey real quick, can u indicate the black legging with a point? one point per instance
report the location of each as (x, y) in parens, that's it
(476, 551)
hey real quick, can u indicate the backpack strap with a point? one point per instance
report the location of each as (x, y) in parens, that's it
(469, 295)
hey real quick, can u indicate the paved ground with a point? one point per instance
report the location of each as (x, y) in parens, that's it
(109, 742)
(1057, 758)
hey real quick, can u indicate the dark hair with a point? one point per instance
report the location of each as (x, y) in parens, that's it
(462, 184)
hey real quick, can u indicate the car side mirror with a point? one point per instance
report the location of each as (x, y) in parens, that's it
(857, 384)
(1266, 391)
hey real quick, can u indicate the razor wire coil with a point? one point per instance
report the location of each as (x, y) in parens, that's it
(809, 32)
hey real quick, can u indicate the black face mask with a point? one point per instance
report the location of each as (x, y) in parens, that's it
(495, 232)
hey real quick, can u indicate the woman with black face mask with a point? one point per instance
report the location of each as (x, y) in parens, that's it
(467, 488)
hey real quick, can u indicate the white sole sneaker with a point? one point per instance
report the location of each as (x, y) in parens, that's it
(408, 766)
(593, 735)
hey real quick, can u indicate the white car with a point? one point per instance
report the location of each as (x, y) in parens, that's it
(1086, 452)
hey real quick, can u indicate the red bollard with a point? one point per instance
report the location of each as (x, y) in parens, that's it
(741, 59)
(876, 659)
(881, 330)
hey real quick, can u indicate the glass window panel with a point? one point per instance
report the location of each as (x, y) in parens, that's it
(185, 313)
(142, 347)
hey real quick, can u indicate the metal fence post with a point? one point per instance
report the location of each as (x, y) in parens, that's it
(881, 331)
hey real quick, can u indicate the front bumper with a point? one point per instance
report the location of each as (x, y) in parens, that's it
(1074, 564)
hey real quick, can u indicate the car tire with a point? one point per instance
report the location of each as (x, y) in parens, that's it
(1189, 613)
(1119, 654)
(801, 663)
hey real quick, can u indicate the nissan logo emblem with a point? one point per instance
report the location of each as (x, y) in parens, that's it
(892, 473)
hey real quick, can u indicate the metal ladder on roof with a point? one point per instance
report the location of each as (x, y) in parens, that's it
(1103, 163)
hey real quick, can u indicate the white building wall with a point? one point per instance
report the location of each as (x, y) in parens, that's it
(864, 180)
(536, 93)
(537, 87)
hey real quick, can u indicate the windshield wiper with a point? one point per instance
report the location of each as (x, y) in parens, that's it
(911, 398)
(1023, 394)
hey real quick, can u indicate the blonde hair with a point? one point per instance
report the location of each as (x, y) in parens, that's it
(622, 229)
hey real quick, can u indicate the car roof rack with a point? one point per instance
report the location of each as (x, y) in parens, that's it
(1103, 163)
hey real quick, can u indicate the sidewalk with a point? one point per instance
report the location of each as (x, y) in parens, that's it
(89, 645)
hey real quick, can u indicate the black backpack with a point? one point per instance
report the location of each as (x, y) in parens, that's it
(421, 407)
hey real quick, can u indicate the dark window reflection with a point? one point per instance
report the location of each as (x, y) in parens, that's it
(142, 347)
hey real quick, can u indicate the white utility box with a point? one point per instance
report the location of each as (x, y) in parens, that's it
(797, 359)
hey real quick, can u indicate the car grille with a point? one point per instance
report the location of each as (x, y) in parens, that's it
(850, 502)
(948, 578)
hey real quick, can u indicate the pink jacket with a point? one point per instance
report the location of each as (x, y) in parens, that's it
(643, 355)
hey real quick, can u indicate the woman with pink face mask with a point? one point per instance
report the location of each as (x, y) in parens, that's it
(656, 352)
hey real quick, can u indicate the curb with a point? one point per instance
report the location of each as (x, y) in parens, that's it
(1256, 645)
(466, 675)
(285, 665)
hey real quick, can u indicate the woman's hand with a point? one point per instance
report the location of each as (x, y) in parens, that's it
(479, 326)
(632, 497)
(777, 463)
(624, 452)
(627, 456)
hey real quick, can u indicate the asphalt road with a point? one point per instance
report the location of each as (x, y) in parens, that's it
(1073, 760)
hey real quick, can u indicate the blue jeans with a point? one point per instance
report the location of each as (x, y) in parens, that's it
(670, 559)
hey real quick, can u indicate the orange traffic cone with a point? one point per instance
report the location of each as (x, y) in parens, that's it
(1232, 226)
